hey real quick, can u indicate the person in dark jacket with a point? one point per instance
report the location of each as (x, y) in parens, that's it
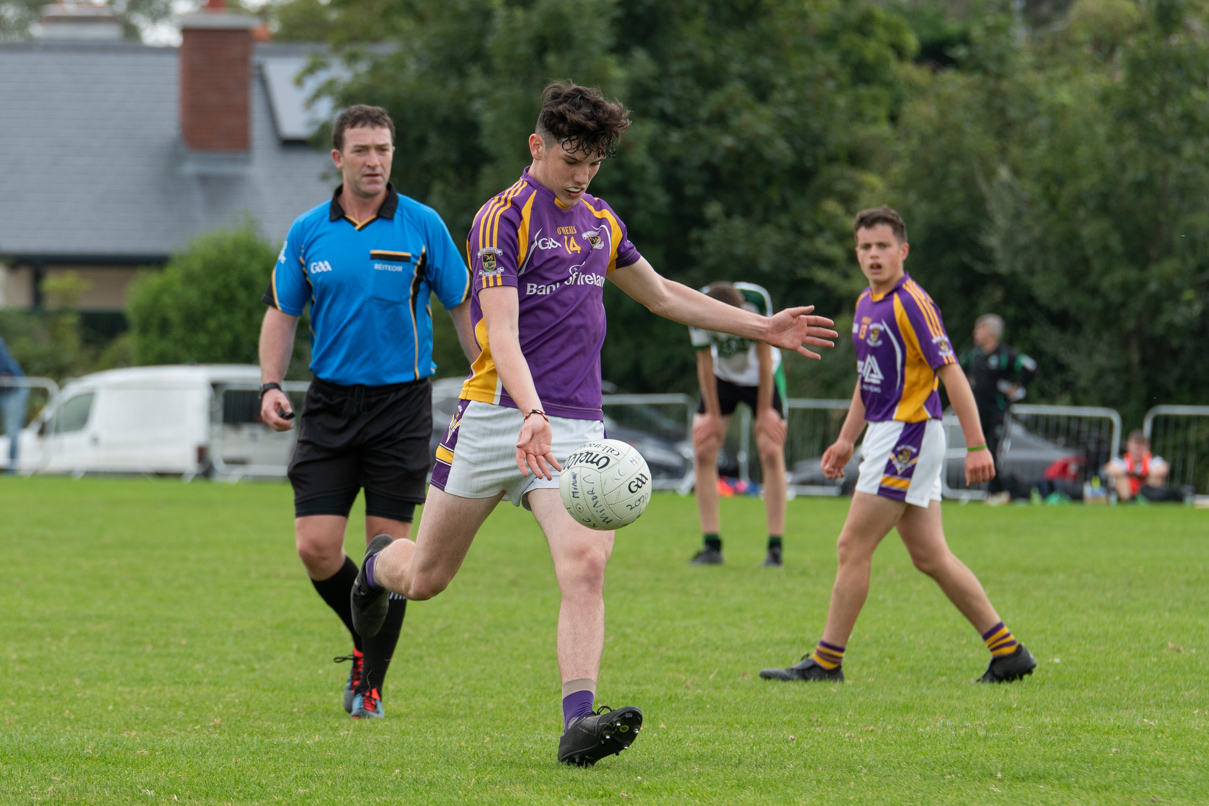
(999, 376)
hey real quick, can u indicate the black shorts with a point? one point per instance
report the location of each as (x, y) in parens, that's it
(355, 437)
(730, 395)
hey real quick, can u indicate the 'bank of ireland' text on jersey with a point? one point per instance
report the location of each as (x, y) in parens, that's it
(557, 259)
(900, 342)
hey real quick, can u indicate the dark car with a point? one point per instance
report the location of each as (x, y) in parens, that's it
(668, 460)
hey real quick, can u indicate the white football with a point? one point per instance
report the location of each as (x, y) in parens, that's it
(605, 484)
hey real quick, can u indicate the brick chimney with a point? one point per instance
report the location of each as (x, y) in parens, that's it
(216, 79)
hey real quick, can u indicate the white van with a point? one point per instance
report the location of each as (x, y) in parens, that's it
(167, 419)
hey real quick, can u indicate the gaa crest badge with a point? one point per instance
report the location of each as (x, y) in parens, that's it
(904, 457)
(489, 260)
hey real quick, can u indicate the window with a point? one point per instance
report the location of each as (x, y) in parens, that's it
(73, 414)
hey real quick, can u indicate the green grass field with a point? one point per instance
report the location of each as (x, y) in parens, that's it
(161, 643)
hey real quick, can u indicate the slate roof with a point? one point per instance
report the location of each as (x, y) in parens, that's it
(92, 164)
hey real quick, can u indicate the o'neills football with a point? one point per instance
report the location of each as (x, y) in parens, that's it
(605, 484)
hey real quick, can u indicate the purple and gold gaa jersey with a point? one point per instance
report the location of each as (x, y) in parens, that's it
(557, 259)
(900, 342)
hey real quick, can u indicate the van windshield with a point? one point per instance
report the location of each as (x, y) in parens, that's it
(73, 414)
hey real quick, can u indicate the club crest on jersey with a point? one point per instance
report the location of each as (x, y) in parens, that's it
(594, 239)
(943, 346)
(875, 334)
(904, 458)
(490, 264)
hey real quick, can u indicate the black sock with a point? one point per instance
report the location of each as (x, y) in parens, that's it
(774, 543)
(713, 542)
(380, 648)
(335, 590)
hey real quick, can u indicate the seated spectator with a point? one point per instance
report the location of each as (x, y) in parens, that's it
(1140, 474)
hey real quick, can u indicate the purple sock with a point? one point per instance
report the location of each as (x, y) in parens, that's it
(575, 705)
(369, 573)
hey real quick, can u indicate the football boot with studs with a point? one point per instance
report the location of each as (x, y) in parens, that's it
(370, 606)
(1006, 668)
(354, 676)
(805, 669)
(604, 732)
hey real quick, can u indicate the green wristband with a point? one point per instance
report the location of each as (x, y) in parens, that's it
(981, 447)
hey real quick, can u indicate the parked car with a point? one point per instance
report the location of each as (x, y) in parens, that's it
(667, 459)
(1025, 458)
(153, 420)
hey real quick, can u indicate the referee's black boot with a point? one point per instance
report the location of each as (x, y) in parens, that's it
(369, 605)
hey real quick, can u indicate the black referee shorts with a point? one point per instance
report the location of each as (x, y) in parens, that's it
(362, 437)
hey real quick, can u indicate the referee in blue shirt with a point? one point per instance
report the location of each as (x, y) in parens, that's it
(366, 262)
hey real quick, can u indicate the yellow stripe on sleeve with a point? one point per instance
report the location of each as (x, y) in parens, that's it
(919, 380)
(522, 234)
(925, 305)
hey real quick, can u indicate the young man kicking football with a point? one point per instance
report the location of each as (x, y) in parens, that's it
(902, 350)
(540, 253)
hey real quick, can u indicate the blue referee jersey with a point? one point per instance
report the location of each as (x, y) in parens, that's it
(368, 284)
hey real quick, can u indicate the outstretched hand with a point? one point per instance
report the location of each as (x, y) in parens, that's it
(793, 328)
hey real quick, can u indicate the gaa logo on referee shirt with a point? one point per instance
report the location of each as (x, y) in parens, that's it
(318, 267)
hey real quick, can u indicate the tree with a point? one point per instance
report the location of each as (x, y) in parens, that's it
(204, 307)
(17, 16)
(759, 128)
(1063, 182)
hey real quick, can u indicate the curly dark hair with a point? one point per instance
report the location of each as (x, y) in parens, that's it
(358, 115)
(867, 219)
(581, 119)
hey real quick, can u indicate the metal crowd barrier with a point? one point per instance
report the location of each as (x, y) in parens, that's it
(1180, 434)
(1035, 437)
(813, 425)
(35, 382)
(241, 445)
(661, 427)
(30, 383)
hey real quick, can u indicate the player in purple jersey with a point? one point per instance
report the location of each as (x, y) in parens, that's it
(902, 354)
(540, 253)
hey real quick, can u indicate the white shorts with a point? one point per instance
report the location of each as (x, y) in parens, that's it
(903, 461)
(477, 457)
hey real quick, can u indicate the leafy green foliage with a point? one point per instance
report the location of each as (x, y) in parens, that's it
(204, 307)
(17, 16)
(757, 130)
(1063, 184)
(1054, 173)
(52, 342)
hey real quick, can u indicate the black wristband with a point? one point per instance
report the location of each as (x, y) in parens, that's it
(266, 387)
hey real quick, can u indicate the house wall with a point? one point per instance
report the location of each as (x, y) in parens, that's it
(16, 286)
(106, 290)
(107, 285)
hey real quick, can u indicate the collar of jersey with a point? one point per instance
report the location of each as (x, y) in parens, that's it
(898, 285)
(550, 195)
(386, 210)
